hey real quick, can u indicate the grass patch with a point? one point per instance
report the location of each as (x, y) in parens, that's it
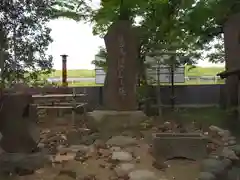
(80, 73)
(198, 71)
(204, 116)
(91, 84)
(84, 73)
(82, 84)
(204, 71)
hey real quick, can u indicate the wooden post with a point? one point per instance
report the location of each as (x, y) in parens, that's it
(74, 105)
(64, 70)
(159, 103)
(2, 68)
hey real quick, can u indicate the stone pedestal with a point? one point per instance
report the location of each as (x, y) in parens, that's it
(18, 124)
(179, 145)
(9, 162)
(110, 121)
(121, 78)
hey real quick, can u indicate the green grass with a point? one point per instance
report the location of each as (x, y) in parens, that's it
(81, 73)
(203, 117)
(198, 71)
(204, 71)
(207, 116)
(84, 73)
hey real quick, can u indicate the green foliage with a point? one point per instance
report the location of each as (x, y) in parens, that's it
(186, 26)
(80, 73)
(72, 9)
(102, 54)
(25, 38)
(24, 35)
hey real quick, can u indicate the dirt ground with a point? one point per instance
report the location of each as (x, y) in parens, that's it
(96, 162)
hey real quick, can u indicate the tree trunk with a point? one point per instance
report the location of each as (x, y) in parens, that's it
(232, 100)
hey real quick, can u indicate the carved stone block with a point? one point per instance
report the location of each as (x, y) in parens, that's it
(121, 79)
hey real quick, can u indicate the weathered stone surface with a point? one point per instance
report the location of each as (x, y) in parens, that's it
(74, 149)
(213, 166)
(229, 154)
(115, 148)
(215, 128)
(67, 174)
(234, 173)
(124, 169)
(121, 79)
(170, 145)
(11, 161)
(227, 162)
(111, 121)
(76, 138)
(19, 129)
(206, 176)
(236, 149)
(142, 175)
(121, 141)
(59, 158)
(121, 156)
(232, 142)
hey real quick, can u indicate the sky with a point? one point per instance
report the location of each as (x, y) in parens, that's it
(77, 41)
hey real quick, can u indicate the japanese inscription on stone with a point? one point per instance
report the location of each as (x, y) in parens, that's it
(121, 65)
(120, 87)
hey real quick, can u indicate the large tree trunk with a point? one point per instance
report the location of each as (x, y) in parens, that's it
(231, 30)
(232, 101)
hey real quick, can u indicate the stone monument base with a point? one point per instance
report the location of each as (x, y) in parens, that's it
(109, 121)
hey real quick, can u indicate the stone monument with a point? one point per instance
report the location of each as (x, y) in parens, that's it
(121, 79)
(19, 137)
(120, 102)
(18, 124)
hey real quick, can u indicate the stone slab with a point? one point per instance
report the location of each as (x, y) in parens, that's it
(9, 162)
(179, 145)
(112, 120)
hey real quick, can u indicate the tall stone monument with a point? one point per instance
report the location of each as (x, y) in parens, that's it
(121, 79)
(120, 102)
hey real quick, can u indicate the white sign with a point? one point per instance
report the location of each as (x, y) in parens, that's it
(99, 72)
(165, 74)
(99, 76)
(167, 69)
